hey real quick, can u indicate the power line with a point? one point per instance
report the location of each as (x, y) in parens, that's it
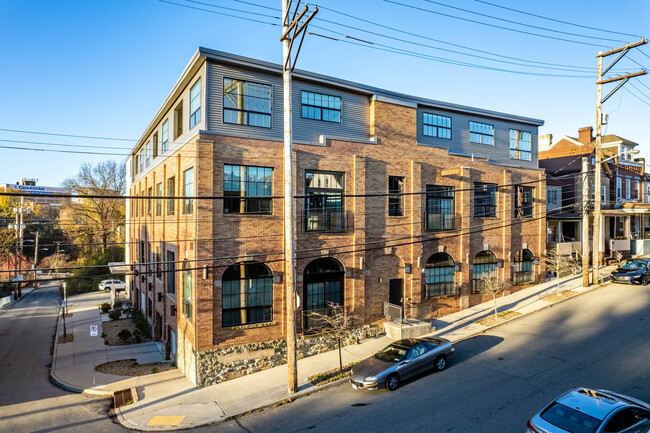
(81, 152)
(636, 96)
(66, 135)
(555, 20)
(220, 13)
(233, 9)
(60, 144)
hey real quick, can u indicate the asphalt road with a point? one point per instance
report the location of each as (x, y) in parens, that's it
(498, 380)
(29, 402)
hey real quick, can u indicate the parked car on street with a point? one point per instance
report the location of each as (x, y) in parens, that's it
(633, 272)
(583, 410)
(107, 285)
(399, 361)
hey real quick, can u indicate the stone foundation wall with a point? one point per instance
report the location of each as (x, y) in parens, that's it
(219, 365)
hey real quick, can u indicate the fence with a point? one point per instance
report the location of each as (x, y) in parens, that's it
(393, 313)
(325, 220)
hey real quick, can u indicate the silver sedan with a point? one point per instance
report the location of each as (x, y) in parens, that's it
(399, 361)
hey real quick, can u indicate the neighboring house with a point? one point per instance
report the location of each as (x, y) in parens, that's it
(622, 185)
(400, 199)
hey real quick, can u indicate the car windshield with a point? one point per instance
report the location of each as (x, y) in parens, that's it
(569, 419)
(632, 265)
(392, 353)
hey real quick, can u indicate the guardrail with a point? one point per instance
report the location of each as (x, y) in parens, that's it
(393, 313)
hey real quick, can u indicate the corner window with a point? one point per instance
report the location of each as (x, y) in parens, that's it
(246, 103)
(485, 200)
(247, 294)
(321, 107)
(188, 191)
(195, 104)
(481, 133)
(396, 196)
(244, 181)
(436, 126)
(187, 290)
(520, 145)
(523, 201)
(178, 120)
(171, 191)
(165, 137)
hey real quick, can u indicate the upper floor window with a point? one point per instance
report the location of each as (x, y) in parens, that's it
(551, 196)
(147, 152)
(155, 145)
(188, 191)
(324, 202)
(178, 120)
(321, 107)
(523, 201)
(165, 136)
(637, 189)
(396, 196)
(171, 191)
(246, 103)
(628, 187)
(141, 160)
(520, 145)
(195, 104)
(159, 193)
(243, 181)
(436, 126)
(440, 207)
(149, 192)
(187, 290)
(619, 187)
(171, 274)
(485, 199)
(481, 133)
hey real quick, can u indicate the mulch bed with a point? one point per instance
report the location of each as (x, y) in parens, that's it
(558, 297)
(69, 338)
(333, 375)
(113, 327)
(501, 317)
(129, 367)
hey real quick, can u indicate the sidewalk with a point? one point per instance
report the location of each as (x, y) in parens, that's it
(6, 301)
(168, 401)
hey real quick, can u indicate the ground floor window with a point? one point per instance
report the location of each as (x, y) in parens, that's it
(523, 267)
(439, 276)
(485, 265)
(247, 294)
(323, 280)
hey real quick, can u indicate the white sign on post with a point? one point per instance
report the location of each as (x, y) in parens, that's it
(64, 304)
(93, 330)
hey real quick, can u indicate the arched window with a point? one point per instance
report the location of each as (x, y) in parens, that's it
(485, 265)
(323, 280)
(187, 289)
(523, 271)
(439, 276)
(247, 294)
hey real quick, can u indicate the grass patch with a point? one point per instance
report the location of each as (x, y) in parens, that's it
(333, 375)
(503, 316)
(555, 297)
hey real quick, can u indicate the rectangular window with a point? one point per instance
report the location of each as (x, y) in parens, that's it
(142, 200)
(195, 104)
(187, 292)
(155, 145)
(178, 120)
(551, 197)
(396, 202)
(159, 193)
(165, 137)
(188, 191)
(619, 187)
(637, 190)
(523, 201)
(247, 181)
(171, 273)
(436, 126)
(247, 301)
(481, 133)
(171, 191)
(485, 200)
(324, 202)
(147, 152)
(149, 200)
(440, 207)
(246, 103)
(136, 164)
(158, 263)
(603, 197)
(520, 145)
(321, 107)
(141, 160)
(628, 187)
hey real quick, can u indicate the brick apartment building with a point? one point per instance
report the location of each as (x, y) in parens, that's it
(399, 198)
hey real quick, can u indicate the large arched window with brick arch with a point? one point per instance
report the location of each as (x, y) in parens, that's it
(323, 284)
(247, 294)
(523, 270)
(439, 276)
(485, 265)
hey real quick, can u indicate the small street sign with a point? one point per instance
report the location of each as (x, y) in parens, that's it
(64, 304)
(93, 330)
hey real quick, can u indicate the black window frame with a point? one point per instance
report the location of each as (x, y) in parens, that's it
(255, 311)
(396, 195)
(247, 113)
(439, 200)
(430, 126)
(473, 133)
(485, 204)
(236, 202)
(516, 151)
(319, 109)
(324, 205)
(524, 201)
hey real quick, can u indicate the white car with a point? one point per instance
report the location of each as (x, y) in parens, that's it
(107, 285)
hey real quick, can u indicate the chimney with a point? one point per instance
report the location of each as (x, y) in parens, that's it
(586, 135)
(544, 142)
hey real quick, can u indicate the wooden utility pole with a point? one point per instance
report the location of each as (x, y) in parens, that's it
(291, 28)
(599, 121)
(585, 221)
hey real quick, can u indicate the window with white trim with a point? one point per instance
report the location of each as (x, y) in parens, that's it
(195, 104)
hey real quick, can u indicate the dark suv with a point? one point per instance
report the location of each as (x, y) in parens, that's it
(633, 272)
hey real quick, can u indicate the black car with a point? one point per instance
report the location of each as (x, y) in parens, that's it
(633, 272)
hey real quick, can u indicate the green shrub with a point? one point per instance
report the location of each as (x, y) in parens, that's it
(94, 270)
(124, 335)
(114, 314)
(105, 307)
(103, 335)
(117, 305)
(154, 370)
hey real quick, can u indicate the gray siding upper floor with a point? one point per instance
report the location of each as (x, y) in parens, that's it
(499, 153)
(355, 109)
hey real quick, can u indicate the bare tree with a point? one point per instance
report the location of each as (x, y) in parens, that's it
(97, 217)
(559, 265)
(491, 284)
(618, 255)
(338, 324)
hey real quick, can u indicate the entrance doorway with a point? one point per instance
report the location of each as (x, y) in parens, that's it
(395, 294)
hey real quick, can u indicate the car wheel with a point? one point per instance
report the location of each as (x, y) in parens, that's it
(441, 363)
(644, 281)
(107, 289)
(392, 382)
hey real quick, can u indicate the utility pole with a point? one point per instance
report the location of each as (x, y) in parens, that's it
(585, 221)
(599, 121)
(291, 28)
(35, 257)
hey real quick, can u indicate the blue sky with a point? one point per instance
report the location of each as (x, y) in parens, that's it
(102, 68)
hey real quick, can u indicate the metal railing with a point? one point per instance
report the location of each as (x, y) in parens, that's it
(522, 277)
(393, 313)
(327, 221)
(434, 290)
(438, 221)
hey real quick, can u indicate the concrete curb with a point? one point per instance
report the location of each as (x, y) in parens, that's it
(53, 378)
